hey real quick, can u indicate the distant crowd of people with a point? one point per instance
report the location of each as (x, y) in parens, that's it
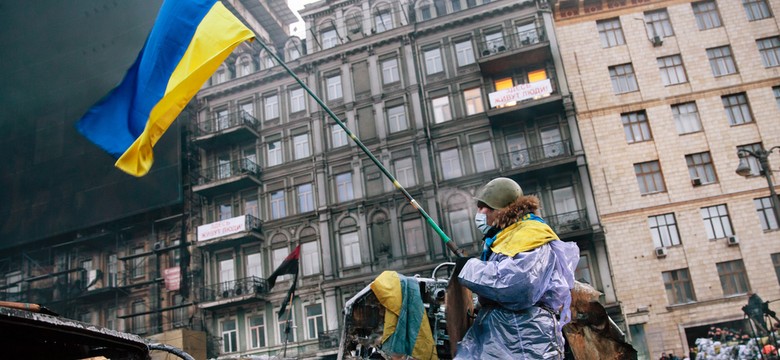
(732, 344)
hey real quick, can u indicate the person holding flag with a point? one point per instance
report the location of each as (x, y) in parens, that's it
(523, 279)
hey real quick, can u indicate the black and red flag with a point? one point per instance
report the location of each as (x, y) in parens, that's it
(288, 266)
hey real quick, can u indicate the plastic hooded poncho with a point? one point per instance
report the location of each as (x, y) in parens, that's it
(528, 275)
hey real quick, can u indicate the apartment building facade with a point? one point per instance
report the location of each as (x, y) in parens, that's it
(446, 94)
(666, 94)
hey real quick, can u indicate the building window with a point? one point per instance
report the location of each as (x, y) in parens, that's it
(766, 213)
(769, 49)
(305, 198)
(433, 63)
(275, 153)
(716, 221)
(244, 66)
(473, 100)
(663, 229)
(623, 78)
(610, 32)
(277, 257)
(315, 323)
(460, 226)
(776, 264)
(494, 41)
(350, 249)
(225, 211)
(636, 127)
(329, 39)
(441, 109)
(756, 9)
(297, 101)
(733, 278)
(657, 24)
(390, 71)
(301, 146)
(649, 176)
(582, 272)
(707, 16)
(139, 321)
(139, 263)
(679, 289)
(286, 327)
(414, 237)
(344, 187)
(310, 258)
(450, 164)
(254, 264)
(737, 109)
(755, 166)
(383, 20)
(404, 172)
(686, 118)
(256, 330)
(483, 156)
(721, 61)
(776, 91)
(464, 51)
(672, 70)
(278, 210)
(338, 136)
(396, 119)
(700, 168)
(333, 84)
(271, 107)
(292, 52)
(425, 12)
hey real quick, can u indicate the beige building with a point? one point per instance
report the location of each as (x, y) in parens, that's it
(666, 93)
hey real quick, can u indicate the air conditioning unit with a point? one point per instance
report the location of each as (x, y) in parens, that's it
(501, 48)
(158, 246)
(696, 182)
(732, 240)
(657, 41)
(486, 52)
(660, 252)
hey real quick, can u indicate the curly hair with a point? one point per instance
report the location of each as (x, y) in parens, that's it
(509, 215)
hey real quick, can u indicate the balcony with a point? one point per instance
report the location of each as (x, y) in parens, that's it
(94, 285)
(242, 228)
(523, 101)
(227, 177)
(569, 223)
(226, 129)
(501, 54)
(537, 157)
(234, 292)
(329, 339)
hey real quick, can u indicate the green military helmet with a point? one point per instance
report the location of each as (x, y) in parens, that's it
(499, 193)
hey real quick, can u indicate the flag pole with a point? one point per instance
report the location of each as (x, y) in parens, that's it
(287, 322)
(446, 239)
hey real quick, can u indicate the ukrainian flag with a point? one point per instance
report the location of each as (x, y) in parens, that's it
(188, 42)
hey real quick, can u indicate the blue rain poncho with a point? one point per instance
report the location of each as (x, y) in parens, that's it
(522, 297)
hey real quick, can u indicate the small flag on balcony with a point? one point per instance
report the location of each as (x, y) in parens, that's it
(188, 42)
(288, 266)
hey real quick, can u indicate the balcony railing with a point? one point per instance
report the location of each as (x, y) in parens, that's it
(569, 221)
(536, 155)
(329, 339)
(234, 288)
(226, 121)
(513, 41)
(226, 170)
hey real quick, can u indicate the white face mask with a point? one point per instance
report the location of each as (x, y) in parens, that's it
(481, 221)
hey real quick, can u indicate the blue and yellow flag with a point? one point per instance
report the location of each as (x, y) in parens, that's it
(188, 42)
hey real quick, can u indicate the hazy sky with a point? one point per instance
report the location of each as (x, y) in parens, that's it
(295, 6)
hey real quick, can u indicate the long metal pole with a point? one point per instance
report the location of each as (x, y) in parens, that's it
(763, 159)
(446, 239)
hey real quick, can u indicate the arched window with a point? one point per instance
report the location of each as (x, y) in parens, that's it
(380, 234)
(425, 10)
(383, 18)
(266, 60)
(220, 76)
(354, 22)
(413, 232)
(244, 65)
(459, 220)
(293, 49)
(350, 243)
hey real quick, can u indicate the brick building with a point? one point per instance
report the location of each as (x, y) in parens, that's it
(666, 93)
